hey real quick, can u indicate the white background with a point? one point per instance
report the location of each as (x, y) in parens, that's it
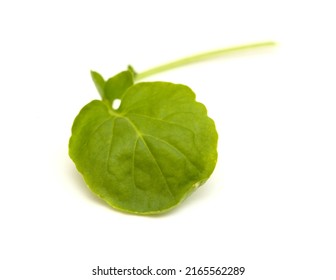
(269, 205)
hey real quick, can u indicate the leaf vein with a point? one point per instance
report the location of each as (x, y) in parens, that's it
(95, 130)
(162, 120)
(140, 135)
(175, 148)
(110, 148)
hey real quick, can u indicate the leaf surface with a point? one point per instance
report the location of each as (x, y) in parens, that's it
(116, 86)
(99, 83)
(150, 153)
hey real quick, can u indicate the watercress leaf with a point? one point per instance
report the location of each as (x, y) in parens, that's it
(131, 69)
(150, 153)
(99, 83)
(116, 86)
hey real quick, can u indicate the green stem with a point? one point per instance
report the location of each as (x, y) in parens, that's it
(200, 57)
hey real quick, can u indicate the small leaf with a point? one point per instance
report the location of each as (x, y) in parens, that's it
(131, 69)
(116, 86)
(151, 153)
(99, 83)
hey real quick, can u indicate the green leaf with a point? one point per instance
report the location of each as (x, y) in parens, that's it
(149, 154)
(116, 86)
(99, 83)
(131, 69)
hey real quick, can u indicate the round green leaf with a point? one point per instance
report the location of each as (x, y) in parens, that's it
(150, 153)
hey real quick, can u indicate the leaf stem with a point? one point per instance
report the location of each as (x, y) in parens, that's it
(201, 57)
